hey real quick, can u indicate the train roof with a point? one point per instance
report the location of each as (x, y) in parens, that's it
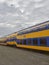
(35, 26)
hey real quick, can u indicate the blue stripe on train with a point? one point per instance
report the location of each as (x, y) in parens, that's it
(38, 41)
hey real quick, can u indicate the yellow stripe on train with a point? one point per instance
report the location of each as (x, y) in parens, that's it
(34, 47)
(43, 33)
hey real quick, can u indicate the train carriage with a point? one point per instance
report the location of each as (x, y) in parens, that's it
(35, 37)
(11, 39)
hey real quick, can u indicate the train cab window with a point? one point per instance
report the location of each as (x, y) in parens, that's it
(43, 42)
(29, 41)
(20, 41)
(24, 42)
(35, 42)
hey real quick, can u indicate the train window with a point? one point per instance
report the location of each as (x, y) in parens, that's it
(48, 26)
(35, 42)
(29, 41)
(24, 42)
(43, 41)
(20, 41)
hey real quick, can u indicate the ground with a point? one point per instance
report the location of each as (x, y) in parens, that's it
(16, 56)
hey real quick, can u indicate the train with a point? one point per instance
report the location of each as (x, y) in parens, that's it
(34, 37)
(3, 41)
(11, 39)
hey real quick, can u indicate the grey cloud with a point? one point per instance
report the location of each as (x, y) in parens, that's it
(23, 16)
(5, 31)
(4, 8)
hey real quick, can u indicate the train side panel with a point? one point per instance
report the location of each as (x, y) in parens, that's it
(34, 47)
(11, 42)
(43, 33)
(34, 40)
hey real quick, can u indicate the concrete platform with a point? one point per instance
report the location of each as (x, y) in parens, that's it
(15, 56)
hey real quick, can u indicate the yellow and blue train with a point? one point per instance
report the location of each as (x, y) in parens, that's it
(34, 37)
(11, 39)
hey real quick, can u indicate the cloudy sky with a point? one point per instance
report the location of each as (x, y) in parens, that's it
(19, 14)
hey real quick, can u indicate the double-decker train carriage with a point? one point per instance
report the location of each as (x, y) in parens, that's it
(11, 39)
(34, 37)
